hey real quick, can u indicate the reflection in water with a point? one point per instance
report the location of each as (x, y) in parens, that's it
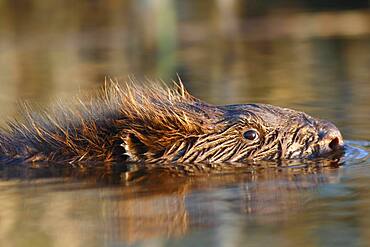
(130, 203)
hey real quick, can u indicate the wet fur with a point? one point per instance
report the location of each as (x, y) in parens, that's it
(123, 122)
(153, 123)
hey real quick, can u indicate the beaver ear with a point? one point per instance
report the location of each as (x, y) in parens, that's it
(134, 148)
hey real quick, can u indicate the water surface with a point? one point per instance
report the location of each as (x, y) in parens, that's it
(316, 203)
(306, 55)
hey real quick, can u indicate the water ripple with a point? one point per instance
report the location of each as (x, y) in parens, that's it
(356, 152)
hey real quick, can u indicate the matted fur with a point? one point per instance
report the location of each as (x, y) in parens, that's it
(157, 115)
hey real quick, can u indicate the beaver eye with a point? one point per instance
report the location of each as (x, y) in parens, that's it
(250, 135)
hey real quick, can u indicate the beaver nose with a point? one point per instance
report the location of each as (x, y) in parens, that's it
(330, 137)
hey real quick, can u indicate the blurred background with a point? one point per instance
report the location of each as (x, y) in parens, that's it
(311, 55)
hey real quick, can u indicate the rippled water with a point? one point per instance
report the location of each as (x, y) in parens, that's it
(304, 55)
(321, 203)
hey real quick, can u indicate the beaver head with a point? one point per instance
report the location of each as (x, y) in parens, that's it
(150, 123)
(266, 132)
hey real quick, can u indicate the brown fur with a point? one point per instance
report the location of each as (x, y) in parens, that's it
(158, 123)
(155, 115)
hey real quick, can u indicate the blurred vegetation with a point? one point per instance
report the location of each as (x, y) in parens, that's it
(225, 51)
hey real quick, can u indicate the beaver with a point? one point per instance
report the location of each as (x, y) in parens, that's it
(158, 123)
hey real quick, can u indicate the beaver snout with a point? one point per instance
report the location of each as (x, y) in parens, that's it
(330, 138)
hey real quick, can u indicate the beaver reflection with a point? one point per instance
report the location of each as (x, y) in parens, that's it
(140, 202)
